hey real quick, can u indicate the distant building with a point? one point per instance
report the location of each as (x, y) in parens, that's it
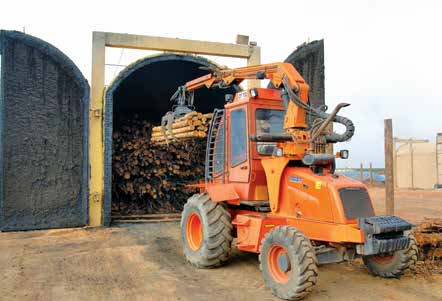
(417, 165)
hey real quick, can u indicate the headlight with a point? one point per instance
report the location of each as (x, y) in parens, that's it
(253, 93)
(277, 152)
(343, 154)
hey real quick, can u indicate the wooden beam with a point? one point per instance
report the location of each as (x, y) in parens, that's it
(96, 130)
(242, 39)
(389, 172)
(179, 45)
(254, 59)
(439, 160)
(395, 162)
(411, 164)
(411, 140)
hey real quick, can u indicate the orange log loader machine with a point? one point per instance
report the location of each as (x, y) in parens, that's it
(270, 183)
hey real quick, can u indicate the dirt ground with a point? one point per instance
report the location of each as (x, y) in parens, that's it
(411, 205)
(144, 262)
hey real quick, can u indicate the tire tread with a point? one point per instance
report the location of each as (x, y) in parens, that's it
(217, 242)
(308, 271)
(408, 258)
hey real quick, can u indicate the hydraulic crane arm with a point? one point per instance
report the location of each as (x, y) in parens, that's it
(275, 72)
(294, 94)
(295, 88)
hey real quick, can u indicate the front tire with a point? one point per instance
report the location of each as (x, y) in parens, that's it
(288, 263)
(206, 232)
(392, 265)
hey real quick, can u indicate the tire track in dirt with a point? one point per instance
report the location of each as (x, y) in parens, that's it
(235, 281)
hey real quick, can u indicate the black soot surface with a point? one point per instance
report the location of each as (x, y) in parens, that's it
(44, 136)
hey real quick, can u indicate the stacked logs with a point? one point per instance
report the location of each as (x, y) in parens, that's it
(192, 125)
(152, 177)
(428, 237)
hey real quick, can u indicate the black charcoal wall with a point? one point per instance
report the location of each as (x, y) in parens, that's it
(43, 136)
(308, 59)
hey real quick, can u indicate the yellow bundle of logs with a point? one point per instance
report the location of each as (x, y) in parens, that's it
(190, 126)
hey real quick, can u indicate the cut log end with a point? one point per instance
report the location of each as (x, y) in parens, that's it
(151, 177)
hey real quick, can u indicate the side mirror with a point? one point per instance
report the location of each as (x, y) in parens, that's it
(344, 153)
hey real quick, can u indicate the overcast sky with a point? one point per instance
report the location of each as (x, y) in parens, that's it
(384, 57)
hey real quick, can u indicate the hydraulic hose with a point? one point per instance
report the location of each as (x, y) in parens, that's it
(331, 138)
(336, 137)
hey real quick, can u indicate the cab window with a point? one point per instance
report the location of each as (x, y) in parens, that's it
(238, 137)
(219, 150)
(268, 121)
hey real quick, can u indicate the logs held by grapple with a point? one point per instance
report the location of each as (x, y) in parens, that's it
(152, 177)
(192, 125)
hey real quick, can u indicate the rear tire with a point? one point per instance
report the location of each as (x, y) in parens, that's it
(206, 232)
(288, 263)
(392, 265)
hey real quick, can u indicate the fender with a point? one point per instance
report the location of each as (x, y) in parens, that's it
(274, 168)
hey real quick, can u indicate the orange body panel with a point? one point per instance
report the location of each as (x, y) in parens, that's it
(306, 201)
(223, 192)
(274, 167)
(252, 227)
(328, 232)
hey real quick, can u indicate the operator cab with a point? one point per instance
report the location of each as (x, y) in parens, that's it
(236, 159)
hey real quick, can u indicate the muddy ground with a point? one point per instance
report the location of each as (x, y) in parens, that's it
(144, 262)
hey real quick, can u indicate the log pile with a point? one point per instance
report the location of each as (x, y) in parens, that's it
(428, 236)
(152, 177)
(192, 125)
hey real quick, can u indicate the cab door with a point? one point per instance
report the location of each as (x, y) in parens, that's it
(238, 145)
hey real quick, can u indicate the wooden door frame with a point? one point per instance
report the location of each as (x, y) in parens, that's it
(101, 40)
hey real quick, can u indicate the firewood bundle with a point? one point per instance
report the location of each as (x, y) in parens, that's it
(428, 237)
(152, 178)
(192, 125)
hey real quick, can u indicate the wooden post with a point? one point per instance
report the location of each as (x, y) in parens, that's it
(254, 59)
(371, 173)
(411, 164)
(439, 159)
(361, 173)
(395, 162)
(96, 151)
(389, 172)
(242, 39)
